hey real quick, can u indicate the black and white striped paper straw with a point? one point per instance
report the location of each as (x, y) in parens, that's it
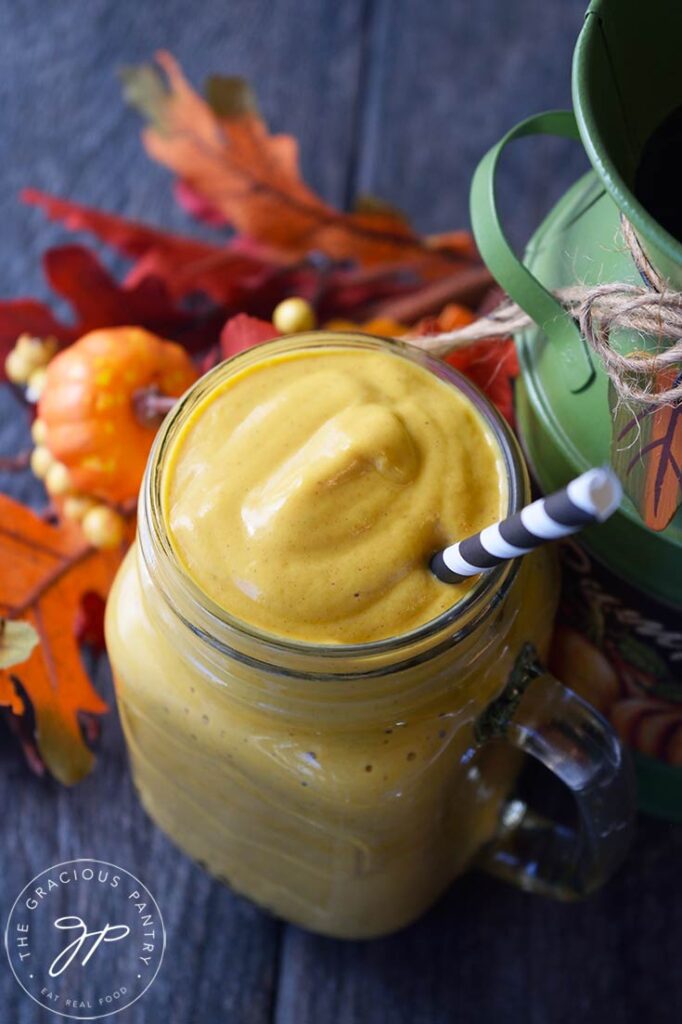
(590, 498)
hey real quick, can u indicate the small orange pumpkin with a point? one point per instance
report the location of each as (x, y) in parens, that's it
(89, 412)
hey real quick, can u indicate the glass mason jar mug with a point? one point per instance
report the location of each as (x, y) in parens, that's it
(345, 786)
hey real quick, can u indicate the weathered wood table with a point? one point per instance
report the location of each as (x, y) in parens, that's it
(398, 98)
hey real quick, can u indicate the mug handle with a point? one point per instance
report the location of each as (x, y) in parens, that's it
(505, 266)
(541, 717)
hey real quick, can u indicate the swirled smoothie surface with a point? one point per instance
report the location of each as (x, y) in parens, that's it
(306, 494)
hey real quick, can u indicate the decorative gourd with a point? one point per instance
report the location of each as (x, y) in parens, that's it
(90, 406)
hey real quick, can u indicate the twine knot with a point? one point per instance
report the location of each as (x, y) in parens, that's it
(652, 308)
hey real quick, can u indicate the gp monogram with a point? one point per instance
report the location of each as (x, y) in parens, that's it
(85, 939)
(110, 933)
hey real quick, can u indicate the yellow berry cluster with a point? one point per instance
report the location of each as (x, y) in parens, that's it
(102, 526)
(27, 363)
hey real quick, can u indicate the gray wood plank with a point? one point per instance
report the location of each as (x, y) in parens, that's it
(447, 81)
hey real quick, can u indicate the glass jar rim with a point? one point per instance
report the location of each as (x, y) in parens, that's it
(219, 627)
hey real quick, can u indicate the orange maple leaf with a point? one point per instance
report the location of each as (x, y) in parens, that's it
(663, 488)
(45, 570)
(223, 151)
(652, 476)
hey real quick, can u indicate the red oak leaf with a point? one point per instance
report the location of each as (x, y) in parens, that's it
(97, 300)
(185, 265)
(198, 207)
(89, 624)
(235, 275)
(242, 332)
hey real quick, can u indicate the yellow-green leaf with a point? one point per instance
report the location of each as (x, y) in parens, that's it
(17, 640)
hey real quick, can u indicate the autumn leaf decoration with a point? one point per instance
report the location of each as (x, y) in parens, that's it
(46, 571)
(221, 151)
(647, 455)
(274, 236)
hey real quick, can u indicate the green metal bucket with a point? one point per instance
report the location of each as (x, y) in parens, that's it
(621, 634)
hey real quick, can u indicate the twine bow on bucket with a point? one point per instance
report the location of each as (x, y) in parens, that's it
(646, 385)
(650, 308)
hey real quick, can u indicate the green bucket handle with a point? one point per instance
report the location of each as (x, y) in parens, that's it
(504, 264)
